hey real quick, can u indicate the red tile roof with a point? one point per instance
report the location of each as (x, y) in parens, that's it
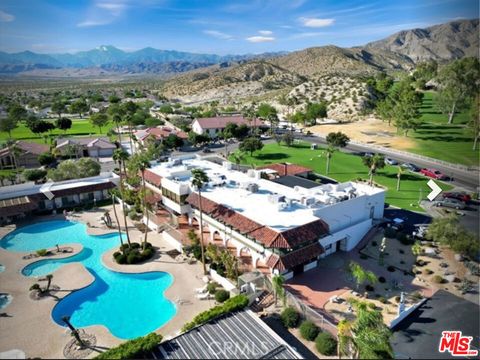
(294, 258)
(153, 178)
(27, 147)
(270, 238)
(160, 133)
(284, 169)
(219, 122)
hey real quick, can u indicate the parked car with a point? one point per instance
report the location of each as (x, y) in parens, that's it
(206, 150)
(367, 154)
(391, 161)
(411, 167)
(462, 196)
(451, 203)
(434, 174)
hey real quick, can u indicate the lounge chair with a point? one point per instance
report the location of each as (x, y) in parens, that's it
(205, 296)
(202, 289)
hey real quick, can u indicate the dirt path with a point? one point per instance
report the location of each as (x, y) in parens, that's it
(368, 131)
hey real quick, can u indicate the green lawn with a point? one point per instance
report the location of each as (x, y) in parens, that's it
(437, 139)
(80, 127)
(344, 167)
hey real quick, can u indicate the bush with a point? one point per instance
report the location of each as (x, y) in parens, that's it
(132, 258)
(326, 344)
(390, 233)
(133, 254)
(397, 299)
(121, 259)
(371, 306)
(391, 268)
(42, 252)
(133, 215)
(212, 287)
(233, 304)
(222, 295)
(382, 300)
(133, 349)
(403, 238)
(438, 279)
(309, 330)
(290, 317)
(34, 174)
(381, 280)
(369, 287)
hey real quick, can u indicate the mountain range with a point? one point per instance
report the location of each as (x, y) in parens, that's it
(399, 51)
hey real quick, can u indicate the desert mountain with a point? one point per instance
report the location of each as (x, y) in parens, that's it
(442, 42)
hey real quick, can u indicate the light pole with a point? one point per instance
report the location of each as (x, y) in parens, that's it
(382, 252)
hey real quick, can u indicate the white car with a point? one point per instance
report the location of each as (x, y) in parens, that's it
(391, 161)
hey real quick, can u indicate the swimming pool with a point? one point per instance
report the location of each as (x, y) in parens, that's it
(129, 305)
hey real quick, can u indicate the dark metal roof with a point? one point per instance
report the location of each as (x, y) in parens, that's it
(292, 181)
(241, 335)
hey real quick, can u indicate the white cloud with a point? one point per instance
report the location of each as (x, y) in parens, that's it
(316, 22)
(218, 34)
(265, 32)
(6, 17)
(304, 35)
(260, 39)
(104, 13)
(115, 9)
(92, 23)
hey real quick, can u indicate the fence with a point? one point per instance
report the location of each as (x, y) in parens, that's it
(310, 314)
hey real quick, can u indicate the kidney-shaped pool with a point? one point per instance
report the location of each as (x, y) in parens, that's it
(129, 305)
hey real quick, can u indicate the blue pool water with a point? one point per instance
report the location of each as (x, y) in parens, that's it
(129, 305)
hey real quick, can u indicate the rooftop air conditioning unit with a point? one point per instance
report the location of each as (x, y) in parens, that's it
(251, 173)
(252, 187)
(227, 165)
(307, 201)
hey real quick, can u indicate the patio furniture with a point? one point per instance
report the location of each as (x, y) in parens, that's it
(202, 289)
(206, 296)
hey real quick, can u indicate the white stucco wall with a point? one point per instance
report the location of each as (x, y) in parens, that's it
(353, 234)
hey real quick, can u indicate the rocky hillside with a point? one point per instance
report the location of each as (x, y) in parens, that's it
(227, 82)
(443, 42)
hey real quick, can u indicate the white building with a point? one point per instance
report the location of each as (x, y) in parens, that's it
(285, 229)
(213, 126)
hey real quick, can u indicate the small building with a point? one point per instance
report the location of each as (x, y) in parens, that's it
(213, 126)
(86, 147)
(285, 169)
(27, 155)
(17, 201)
(157, 134)
(239, 335)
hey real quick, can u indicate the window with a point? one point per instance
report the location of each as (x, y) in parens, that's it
(179, 199)
(328, 247)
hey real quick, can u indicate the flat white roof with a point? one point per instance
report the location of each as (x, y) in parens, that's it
(277, 206)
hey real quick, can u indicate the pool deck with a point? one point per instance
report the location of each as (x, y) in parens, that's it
(28, 325)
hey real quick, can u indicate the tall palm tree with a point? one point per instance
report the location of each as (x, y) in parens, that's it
(142, 164)
(278, 290)
(328, 154)
(238, 157)
(112, 194)
(121, 156)
(373, 163)
(399, 177)
(117, 120)
(360, 274)
(251, 115)
(199, 179)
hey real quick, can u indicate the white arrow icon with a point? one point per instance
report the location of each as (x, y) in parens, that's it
(435, 190)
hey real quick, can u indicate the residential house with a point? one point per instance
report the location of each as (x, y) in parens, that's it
(157, 134)
(279, 229)
(22, 154)
(213, 126)
(86, 147)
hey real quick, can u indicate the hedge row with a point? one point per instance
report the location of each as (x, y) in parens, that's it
(233, 304)
(133, 349)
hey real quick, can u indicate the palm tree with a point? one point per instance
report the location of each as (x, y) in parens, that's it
(367, 337)
(49, 279)
(373, 163)
(116, 120)
(251, 115)
(112, 194)
(328, 154)
(199, 179)
(399, 177)
(279, 291)
(143, 163)
(121, 156)
(360, 274)
(238, 157)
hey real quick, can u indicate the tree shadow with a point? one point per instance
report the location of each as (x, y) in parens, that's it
(404, 177)
(274, 156)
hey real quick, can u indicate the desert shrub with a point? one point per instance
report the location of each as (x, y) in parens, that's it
(401, 251)
(371, 306)
(121, 259)
(133, 215)
(42, 252)
(290, 317)
(308, 330)
(326, 344)
(390, 268)
(397, 299)
(390, 233)
(133, 349)
(473, 267)
(438, 279)
(381, 279)
(369, 287)
(134, 253)
(420, 263)
(212, 287)
(221, 295)
(382, 300)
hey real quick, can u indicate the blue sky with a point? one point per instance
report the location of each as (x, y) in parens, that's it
(214, 26)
